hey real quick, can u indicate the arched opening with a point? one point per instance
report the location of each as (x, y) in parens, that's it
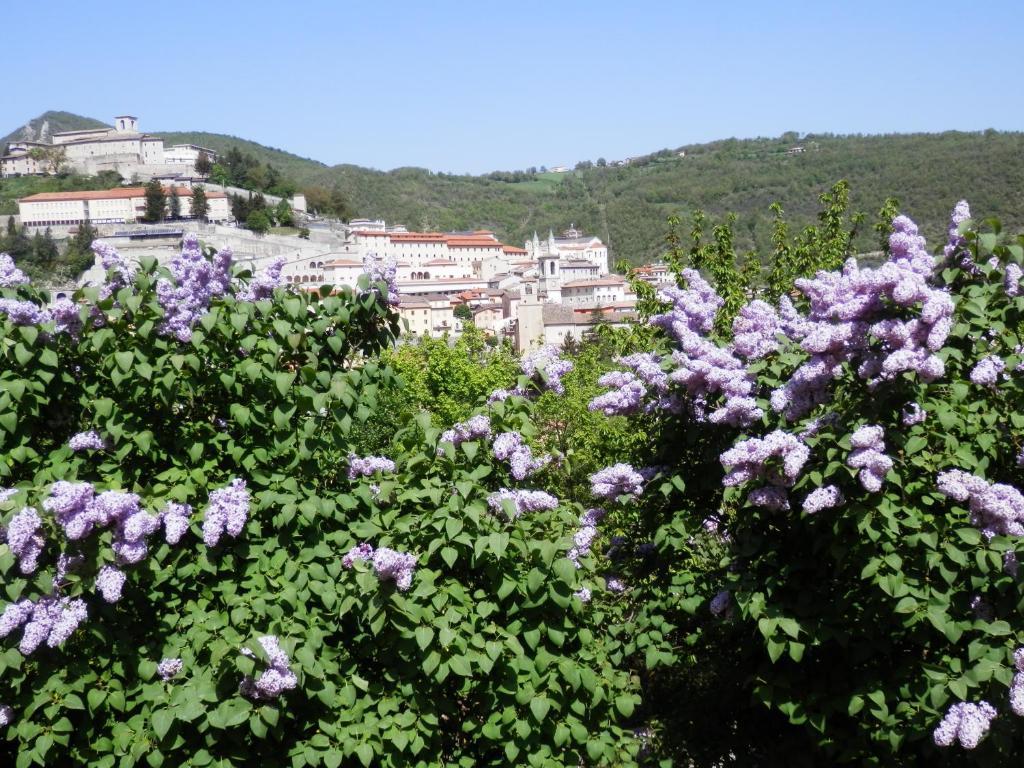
(426, 275)
(289, 278)
(312, 265)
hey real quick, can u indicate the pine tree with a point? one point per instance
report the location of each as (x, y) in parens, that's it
(156, 202)
(174, 204)
(200, 204)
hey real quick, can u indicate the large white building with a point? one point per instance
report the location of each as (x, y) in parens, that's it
(124, 205)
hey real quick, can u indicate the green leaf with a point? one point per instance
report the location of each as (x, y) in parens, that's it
(424, 636)
(162, 720)
(540, 706)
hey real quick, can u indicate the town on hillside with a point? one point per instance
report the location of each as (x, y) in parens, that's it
(550, 290)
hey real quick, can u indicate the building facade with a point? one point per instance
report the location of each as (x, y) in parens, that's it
(124, 205)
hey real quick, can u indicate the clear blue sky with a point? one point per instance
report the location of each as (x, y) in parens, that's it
(478, 85)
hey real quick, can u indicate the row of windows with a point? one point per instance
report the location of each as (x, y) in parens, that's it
(305, 279)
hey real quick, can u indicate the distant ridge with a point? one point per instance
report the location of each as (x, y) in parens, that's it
(627, 205)
(50, 123)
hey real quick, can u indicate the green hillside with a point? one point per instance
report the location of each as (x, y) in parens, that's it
(54, 122)
(627, 206)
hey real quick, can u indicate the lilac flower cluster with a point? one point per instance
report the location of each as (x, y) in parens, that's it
(721, 604)
(86, 441)
(614, 585)
(644, 387)
(1011, 279)
(227, 512)
(956, 243)
(6, 715)
(67, 316)
(509, 446)
(175, 518)
(10, 275)
(476, 428)
(693, 308)
(195, 282)
(851, 320)
(263, 283)
(389, 564)
(118, 273)
(50, 620)
(110, 582)
(522, 501)
(966, 723)
(545, 360)
(24, 312)
(7, 493)
(997, 509)
(583, 594)
(169, 668)
(585, 535)
(755, 330)
(1017, 686)
(500, 395)
(25, 540)
(275, 679)
(383, 271)
(617, 480)
(912, 414)
(826, 497)
(868, 455)
(752, 459)
(986, 373)
(368, 466)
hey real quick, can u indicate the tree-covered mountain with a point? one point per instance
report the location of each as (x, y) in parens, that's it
(627, 205)
(50, 123)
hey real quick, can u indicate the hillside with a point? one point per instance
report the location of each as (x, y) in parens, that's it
(627, 206)
(50, 123)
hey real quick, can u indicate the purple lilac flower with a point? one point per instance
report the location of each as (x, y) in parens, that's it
(168, 668)
(52, 621)
(522, 501)
(500, 395)
(175, 518)
(826, 497)
(275, 679)
(65, 565)
(227, 511)
(750, 459)
(956, 243)
(15, 615)
(986, 372)
(24, 539)
(118, 273)
(195, 282)
(70, 504)
(6, 715)
(966, 723)
(383, 271)
(868, 455)
(755, 330)
(1017, 686)
(1011, 279)
(585, 535)
(368, 465)
(85, 441)
(912, 414)
(110, 582)
(583, 594)
(645, 387)
(24, 312)
(770, 497)
(362, 551)
(997, 509)
(263, 283)
(395, 566)
(67, 316)
(476, 428)
(617, 480)
(509, 446)
(10, 275)
(546, 362)
(721, 604)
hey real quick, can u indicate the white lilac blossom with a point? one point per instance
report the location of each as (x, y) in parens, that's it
(6, 493)
(24, 312)
(585, 535)
(383, 271)
(10, 275)
(912, 414)
(755, 330)
(476, 428)
(509, 447)
(169, 668)
(226, 512)
(262, 285)
(826, 497)
(966, 723)
(275, 679)
(86, 441)
(986, 373)
(395, 566)
(49, 620)
(25, 540)
(1017, 686)
(868, 455)
(175, 519)
(362, 551)
(752, 459)
(615, 585)
(1011, 279)
(522, 501)
(997, 509)
(195, 282)
(546, 362)
(583, 595)
(110, 582)
(617, 480)
(852, 320)
(368, 466)
(6, 715)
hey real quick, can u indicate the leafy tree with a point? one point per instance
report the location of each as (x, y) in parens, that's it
(174, 205)
(258, 222)
(156, 202)
(54, 159)
(463, 312)
(283, 214)
(219, 175)
(79, 256)
(204, 164)
(200, 203)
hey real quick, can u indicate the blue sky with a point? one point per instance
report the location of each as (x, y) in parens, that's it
(478, 86)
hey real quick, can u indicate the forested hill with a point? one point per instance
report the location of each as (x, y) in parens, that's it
(50, 123)
(627, 205)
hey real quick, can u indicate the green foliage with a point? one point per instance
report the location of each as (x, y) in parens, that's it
(156, 202)
(200, 203)
(258, 222)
